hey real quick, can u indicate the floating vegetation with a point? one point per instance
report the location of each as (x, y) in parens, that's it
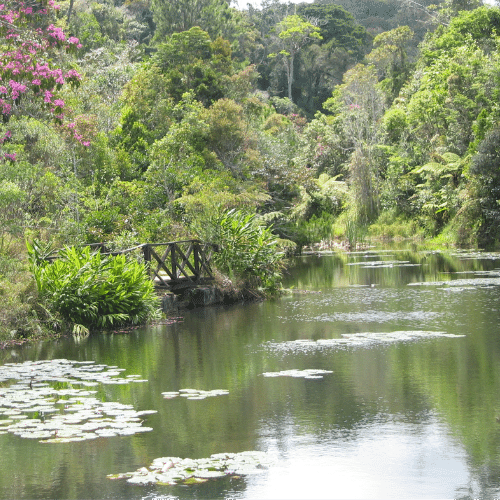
(186, 471)
(494, 280)
(383, 263)
(308, 374)
(194, 394)
(472, 255)
(62, 414)
(356, 340)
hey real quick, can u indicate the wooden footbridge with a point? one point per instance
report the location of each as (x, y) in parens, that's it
(175, 265)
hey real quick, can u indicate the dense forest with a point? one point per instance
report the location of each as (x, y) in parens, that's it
(319, 123)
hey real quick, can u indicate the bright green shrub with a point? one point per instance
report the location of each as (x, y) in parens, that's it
(247, 250)
(90, 291)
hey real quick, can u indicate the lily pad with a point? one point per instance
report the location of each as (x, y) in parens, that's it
(309, 373)
(65, 414)
(363, 339)
(186, 471)
(194, 394)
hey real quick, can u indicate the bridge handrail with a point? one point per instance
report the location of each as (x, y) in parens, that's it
(179, 261)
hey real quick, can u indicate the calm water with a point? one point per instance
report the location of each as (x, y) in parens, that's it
(402, 419)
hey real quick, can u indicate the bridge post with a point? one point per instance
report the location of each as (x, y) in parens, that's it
(196, 252)
(146, 252)
(173, 259)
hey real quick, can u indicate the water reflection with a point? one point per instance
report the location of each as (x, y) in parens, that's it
(375, 461)
(411, 418)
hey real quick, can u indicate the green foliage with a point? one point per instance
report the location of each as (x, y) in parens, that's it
(390, 57)
(394, 124)
(247, 251)
(359, 105)
(483, 207)
(89, 291)
(337, 26)
(212, 16)
(321, 64)
(318, 228)
(101, 224)
(391, 226)
(191, 62)
(293, 33)
(326, 195)
(228, 135)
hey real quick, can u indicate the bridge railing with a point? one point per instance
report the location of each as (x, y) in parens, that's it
(173, 265)
(179, 264)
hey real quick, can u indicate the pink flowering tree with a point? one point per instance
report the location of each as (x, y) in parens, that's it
(28, 75)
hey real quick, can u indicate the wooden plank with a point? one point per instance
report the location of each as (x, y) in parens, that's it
(205, 262)
(184, 262)
(173, 260)
(163, 259)
(161, 266)
(196, 253)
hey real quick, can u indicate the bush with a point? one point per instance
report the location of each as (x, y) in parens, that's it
(247, 251)
(91, 291)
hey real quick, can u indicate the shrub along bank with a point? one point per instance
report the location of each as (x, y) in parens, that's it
(82, 291)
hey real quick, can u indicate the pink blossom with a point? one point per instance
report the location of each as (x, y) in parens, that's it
(73, 74)
(36, 81)
(59, 103)
(56, 33)
(48, 97)
(17, 87)
(9, 17)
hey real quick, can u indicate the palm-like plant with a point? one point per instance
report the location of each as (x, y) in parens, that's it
(248, 250)
(90, 291)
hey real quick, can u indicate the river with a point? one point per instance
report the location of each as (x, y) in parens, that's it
(377, 376)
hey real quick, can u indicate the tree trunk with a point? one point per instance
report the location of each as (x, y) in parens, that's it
(70, 10)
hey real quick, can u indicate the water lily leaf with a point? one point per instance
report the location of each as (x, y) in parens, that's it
(309, 373)
(66, 414)
(194, 394)
(207, 474)
(105, 432)
(175, 470)
(362, 339)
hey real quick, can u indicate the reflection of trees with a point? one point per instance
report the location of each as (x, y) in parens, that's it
(224, 348)
(380, 268)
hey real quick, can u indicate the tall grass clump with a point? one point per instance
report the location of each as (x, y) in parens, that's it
(88, 291)
(248, 252)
